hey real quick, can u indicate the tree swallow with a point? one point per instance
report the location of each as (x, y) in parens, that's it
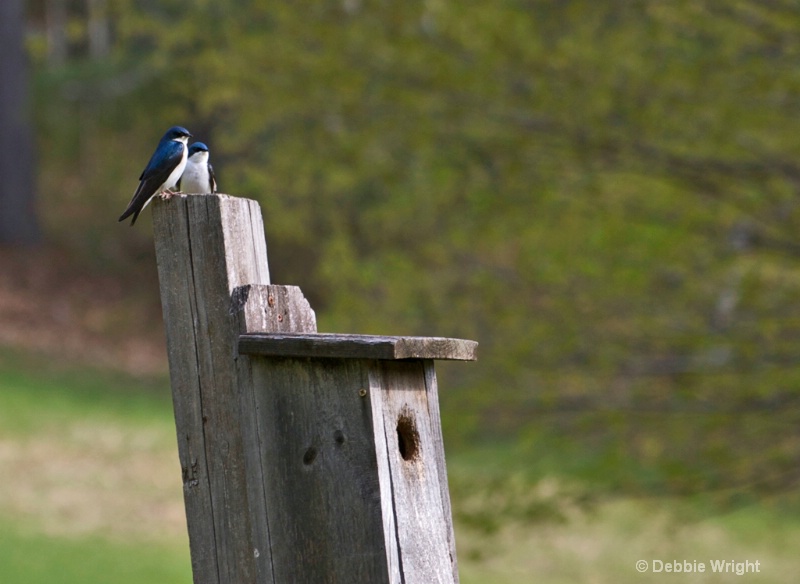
(162, 172)
(198, 176)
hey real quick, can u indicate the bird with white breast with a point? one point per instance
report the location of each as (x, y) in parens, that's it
(162, 172)
(198, 176)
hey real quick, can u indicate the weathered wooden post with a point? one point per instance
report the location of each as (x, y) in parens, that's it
(306, 457)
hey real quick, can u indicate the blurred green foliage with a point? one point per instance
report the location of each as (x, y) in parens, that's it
(604, 194)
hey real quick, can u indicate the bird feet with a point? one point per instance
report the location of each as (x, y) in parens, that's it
(167, 194)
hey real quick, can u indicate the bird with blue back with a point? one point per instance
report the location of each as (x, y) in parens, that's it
(198, 176)
(162, 173)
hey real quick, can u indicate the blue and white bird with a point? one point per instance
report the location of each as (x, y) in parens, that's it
(162, 172)
(198, 176)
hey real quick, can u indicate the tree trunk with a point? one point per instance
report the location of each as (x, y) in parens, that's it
(55, 18)
(99, 32)
(18, 220)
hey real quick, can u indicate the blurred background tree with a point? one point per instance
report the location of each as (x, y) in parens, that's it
(18, 220)
(604, 194)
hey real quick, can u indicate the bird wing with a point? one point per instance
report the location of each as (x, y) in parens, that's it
(162, 163)
(212, 179)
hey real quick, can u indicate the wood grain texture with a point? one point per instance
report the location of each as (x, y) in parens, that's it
(180, 310)
(305, 457)
(432, 395)
(196, 241)
(357, 346)
(266, 308)
(275, 309)
(321, 480)
(411, 475)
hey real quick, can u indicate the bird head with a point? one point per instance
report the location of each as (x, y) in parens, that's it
(197, 147)
(177, 134)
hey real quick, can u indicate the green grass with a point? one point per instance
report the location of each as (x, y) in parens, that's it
(75, 505)
(91, 493)
(605, 545)
(34, 558)
(37, 393)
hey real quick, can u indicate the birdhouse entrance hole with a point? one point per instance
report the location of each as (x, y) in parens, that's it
(407, 436)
